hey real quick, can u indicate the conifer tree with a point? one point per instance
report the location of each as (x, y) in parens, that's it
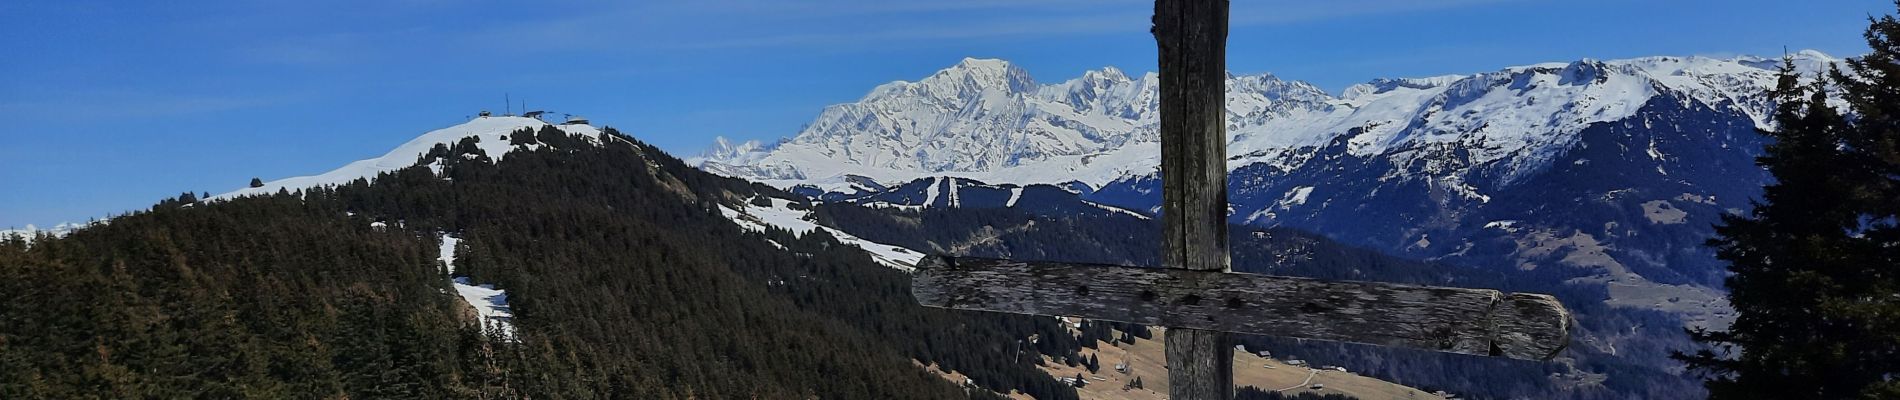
(1816, 264)
(257, 183)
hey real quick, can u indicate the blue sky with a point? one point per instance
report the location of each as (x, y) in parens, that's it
(115, 104)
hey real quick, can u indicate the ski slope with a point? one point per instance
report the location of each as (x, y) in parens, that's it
(490, 304)
(780, 215)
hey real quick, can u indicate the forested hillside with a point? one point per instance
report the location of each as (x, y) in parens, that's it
(624, 280)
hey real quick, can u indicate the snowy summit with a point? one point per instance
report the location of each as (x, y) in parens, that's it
(490, 132)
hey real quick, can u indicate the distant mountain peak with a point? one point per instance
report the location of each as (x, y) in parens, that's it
(987, 73)
(970, 63)
(723, 149)
(1106, 74)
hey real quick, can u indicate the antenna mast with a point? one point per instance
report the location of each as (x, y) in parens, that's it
(507, 105)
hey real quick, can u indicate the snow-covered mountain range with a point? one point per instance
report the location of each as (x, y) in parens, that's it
(989, 120)
(1612, 170)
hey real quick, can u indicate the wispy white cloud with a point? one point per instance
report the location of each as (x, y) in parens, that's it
(1001, 28)
(790, 10)
(123, 104)
(320, 49)
(1278, 12)
(650, 28)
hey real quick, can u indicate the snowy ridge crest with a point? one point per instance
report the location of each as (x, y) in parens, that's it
(490, 132)
(988, 120)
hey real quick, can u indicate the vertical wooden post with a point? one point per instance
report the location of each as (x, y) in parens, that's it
(1192, 38)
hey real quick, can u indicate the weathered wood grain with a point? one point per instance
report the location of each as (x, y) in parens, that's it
(1458, 320)
(1200, 364)
(1192, 38)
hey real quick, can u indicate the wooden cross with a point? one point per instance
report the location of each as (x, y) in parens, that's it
(1196, 296)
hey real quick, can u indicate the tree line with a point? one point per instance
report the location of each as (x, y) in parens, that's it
(624, 278)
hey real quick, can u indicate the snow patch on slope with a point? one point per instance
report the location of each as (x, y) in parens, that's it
(491, 304)
(31, 232)
(1295, 197)
(1115, 209)
(780, 215)
(930, 193)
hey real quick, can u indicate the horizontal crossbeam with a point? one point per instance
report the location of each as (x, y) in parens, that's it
(1457, 320)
